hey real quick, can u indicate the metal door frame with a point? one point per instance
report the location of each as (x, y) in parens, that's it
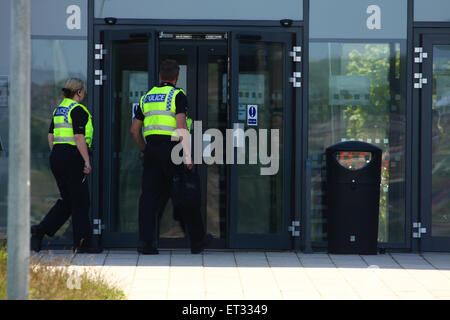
(426, 38)
(266, 241)
(293, 195)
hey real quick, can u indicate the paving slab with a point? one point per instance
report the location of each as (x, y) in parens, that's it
(225, 275)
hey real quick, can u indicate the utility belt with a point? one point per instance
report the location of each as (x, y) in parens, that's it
(155, 138)
(69, 148)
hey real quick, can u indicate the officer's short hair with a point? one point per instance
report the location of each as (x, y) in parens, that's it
(169, 70)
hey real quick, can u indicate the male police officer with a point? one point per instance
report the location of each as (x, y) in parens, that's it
(162, 113)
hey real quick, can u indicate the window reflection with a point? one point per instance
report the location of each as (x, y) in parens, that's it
(440, 158)
(357, 93)
(53, 62)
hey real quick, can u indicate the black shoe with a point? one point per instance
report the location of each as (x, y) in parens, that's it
(204, 244)
(147, 250)
(37, 234)
(87, 250)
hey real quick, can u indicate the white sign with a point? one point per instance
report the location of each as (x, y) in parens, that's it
(252, 115)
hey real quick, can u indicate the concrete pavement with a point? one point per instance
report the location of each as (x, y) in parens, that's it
(224, 275)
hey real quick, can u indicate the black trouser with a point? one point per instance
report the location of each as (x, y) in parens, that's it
(67, 166)
(156, 185)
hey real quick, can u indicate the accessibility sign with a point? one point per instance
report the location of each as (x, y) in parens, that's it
(252, 115)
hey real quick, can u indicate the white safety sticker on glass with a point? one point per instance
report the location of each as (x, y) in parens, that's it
(252, 115)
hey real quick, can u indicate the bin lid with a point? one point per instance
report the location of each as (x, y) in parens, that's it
(353, 146)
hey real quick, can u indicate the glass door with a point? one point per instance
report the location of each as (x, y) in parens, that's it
(203, 77)
(129, 73)
(262, 119)
(435, 144)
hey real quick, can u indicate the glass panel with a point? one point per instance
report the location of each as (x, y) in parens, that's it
(52, 63)
(357, 92)
(216, 188)
(358, 19)
(353, 160)
(261, 81)
(431, 10)
(130, 82)
(199, 9)
(440, 158)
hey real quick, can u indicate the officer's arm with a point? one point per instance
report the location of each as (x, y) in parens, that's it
(136, 132)
(80, 140)
(50, 139)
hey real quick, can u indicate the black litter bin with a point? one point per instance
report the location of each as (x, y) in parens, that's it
(353, 197)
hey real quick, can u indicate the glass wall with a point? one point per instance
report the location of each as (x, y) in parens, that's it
(357, 92)
(53, 61)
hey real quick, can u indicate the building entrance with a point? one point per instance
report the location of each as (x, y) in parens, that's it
(233, 81)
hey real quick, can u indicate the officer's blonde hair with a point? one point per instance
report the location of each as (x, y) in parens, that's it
(73, 85)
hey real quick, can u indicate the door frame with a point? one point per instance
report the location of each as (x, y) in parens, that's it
(115, 239)
(295, 145)
(424, 37)
(265, 241)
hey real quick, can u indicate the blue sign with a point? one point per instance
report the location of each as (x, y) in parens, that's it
(252, 115)
(134, 109)
(155, 98)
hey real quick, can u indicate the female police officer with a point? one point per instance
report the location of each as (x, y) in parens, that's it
(69, 139)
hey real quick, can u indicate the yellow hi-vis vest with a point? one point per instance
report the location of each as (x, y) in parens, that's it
(63, 129)
(159, 110)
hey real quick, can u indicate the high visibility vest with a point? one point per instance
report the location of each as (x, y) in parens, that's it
(159, 110)
(62, 120)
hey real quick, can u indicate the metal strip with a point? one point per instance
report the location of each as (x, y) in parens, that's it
(160, 113)
(63, 139)
(63, 125)
(157, 127)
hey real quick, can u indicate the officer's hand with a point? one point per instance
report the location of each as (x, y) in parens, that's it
(189, 166)
(87, 168)
(188, 162)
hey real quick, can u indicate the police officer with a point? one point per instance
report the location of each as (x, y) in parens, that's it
(69, 138)
(162, 111)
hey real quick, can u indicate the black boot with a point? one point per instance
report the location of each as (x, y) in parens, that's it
(37, 234)
(198, 248)
(86, 247)
(147, 250)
